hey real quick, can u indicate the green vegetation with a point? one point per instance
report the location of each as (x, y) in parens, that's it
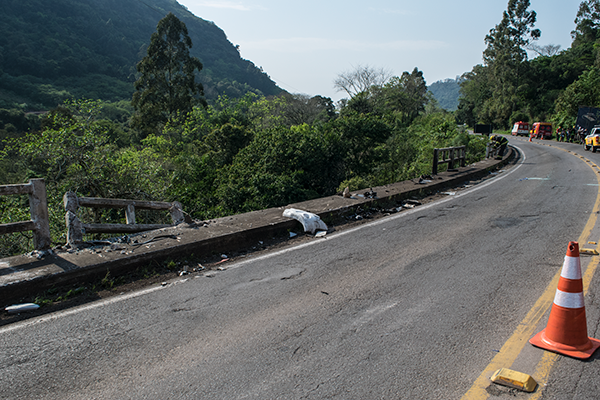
(166, 87)
(51, 51)
(446, 93)
(551, 87)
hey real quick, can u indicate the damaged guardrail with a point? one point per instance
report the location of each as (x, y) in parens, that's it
(38, 208)
(76, 229)
(448, 155)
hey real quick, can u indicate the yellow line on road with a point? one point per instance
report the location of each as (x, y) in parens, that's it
(525, 330)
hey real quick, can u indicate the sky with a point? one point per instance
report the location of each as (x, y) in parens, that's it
(304, 45)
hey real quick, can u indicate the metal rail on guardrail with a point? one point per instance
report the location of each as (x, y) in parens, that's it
(38, 208)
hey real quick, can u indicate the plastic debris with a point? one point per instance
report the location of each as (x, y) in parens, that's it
(320, 233)
(310, 222)
(19, 308)
(449, 193)
(292, 234)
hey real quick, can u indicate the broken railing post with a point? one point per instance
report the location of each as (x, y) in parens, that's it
(38, 208)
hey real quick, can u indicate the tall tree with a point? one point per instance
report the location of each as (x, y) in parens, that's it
(505, 55)
(587, 23)
(407, 94)
(167, 85)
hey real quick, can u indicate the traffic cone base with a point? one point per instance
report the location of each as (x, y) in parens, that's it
(566, 330)
(583, 352)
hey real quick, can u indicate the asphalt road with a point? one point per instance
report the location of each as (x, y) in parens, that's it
(414, 306)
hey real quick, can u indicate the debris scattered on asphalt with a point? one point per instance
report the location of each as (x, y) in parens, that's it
(292, 234)
(19, 308)
(222, 261)
(39, 254)
(449, 193)
(320, 233)
(310, 222)
(221, 268)
(163, 284)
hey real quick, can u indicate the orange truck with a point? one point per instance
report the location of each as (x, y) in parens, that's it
(541, 130)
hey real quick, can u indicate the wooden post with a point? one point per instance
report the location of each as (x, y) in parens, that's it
(434, 169)
(38, 206)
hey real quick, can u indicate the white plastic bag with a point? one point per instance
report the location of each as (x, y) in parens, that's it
(310, 222)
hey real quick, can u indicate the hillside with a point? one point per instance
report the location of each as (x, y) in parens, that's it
(50, 50)
(446, 92)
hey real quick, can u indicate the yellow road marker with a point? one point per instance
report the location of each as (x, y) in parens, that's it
(514, 379)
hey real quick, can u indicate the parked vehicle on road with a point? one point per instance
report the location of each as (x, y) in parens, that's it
(520, 129)
(592, 141)
(541, 130)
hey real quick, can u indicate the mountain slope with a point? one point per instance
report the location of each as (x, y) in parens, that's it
(446, 92)
(52, 49)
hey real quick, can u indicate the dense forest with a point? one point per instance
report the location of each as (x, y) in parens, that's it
(191, 125)
(54, 50)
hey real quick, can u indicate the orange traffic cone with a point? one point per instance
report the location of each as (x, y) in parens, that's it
(530, 138)
(566, 331)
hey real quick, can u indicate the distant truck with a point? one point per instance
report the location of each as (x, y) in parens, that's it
(520, 129)
(484, 129)
(541, 130)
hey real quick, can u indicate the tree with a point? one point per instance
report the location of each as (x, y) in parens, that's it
(360, 80)
(505, 55)
(587, 23)
(406, 94)
(548, 50)
(167, 86)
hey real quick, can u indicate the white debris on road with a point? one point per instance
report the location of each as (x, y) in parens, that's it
(310, 222)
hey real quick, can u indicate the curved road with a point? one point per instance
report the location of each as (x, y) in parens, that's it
(419, 305)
